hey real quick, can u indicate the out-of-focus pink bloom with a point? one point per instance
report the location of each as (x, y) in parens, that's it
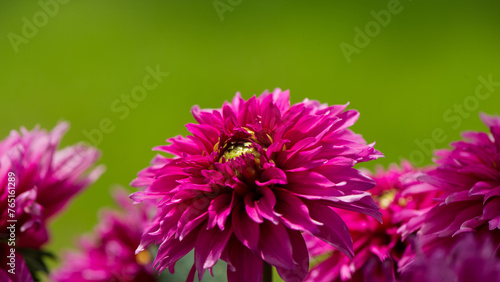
(251, 178)
(468, 176)
(110, 254)
(46, 179)
(377, 247)
(471, 258)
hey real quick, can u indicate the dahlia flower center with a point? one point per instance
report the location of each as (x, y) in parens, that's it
(237, 149)
(386, 199)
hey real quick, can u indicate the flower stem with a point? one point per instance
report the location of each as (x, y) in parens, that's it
(267, 273)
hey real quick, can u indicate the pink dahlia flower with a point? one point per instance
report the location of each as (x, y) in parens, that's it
(377, 247)
(110, 254)
(45, 180)
(251, 178)
(471, 258)
(468, 176)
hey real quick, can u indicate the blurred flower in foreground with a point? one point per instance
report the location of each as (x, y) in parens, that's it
(468, 175)
(110, 254)
(471, 258)
(45, 181)
(250, 179)
(377, 247)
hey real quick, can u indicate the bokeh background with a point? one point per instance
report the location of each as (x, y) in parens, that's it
(416, 73)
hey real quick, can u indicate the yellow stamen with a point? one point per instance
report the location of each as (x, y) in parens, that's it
(143, 258)
(237, 150)
(386, 199)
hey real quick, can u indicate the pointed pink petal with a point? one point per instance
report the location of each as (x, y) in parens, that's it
(334, 231)
(276, 247)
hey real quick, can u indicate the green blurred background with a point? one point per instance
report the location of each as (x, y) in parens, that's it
(412, 77)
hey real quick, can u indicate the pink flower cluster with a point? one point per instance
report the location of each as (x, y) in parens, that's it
(263, 184)
(435, 220)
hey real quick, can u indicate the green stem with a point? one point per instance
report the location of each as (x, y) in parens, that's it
(267, 273)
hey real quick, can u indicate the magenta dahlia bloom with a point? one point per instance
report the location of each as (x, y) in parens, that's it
(468, 176)
(471, 258)
(110, 254)
(251, 178)
(45, 180)
(377, 247)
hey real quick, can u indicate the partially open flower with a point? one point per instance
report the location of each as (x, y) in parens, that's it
(251, 178)
(468, 177)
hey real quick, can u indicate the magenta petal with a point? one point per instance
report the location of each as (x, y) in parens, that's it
(193, 215)
(171, 251)
(192, 224)
(281, 99)
(252, 211)
(491, 209)
(276, 248)
(140, 196)
(348, 118)
(334, 231)
(271, 115)
(266, 203)
(295, 214)
(493, 193)
(247, 266)
(212, 117)
(218, 210)
(208, 134)
(271, 176)
(300, 256)
(180, 146)
(208, 248)
(191, 274)
(490, 120)
(354, 179)
(361, 202)
(447, 223)
(165, 183)
(245, 229)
